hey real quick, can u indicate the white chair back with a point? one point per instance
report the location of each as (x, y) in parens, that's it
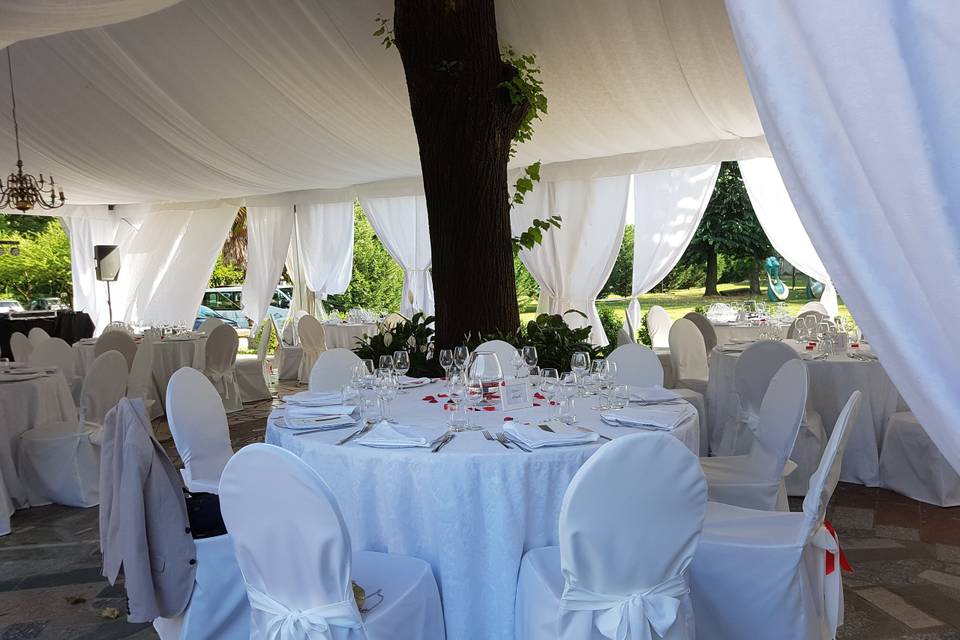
(311, 334)
(781, 413)
(103, 386)
(756, 366)
(688, 355)
(221, 349)
(209, 324)
(658, 326)
(824, 480)
(814, 305)
(629, 526)
(266, 331)
(623, 337)
(55, 352)
(20, 346)
(637, 365)
(117, 341)
(504, 352)
(291, 542)
(333, 369)
(295, 322)
(706, 330)
(141, 372)
(37, 335)
(198, 425)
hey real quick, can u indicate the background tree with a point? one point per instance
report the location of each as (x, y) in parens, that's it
(43, 267)
(729, 227)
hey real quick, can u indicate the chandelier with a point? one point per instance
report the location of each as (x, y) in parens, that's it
(22, 190)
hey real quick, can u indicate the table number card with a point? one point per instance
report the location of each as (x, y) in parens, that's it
(515, 394)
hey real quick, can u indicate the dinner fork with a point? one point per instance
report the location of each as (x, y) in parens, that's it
(358, 432)
(444, 441)
(504, 439)
(488, 436)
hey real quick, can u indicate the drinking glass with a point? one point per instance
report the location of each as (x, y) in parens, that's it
(473, 398)
(401, 362)
(458, 392)
(606, 374)
(446, 361)
(368, 365)
(549, 379)
(386, 388)
(530, 356)
(386, 362)
(460, 355)
(579, 363)
(620, 397)
(370, 406)
(535, 378)
(569, 388)
(485, 366)
(518, 363)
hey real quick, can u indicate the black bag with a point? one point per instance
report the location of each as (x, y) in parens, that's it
(203, 511)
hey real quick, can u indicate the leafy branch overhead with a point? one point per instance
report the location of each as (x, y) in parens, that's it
(384, 31)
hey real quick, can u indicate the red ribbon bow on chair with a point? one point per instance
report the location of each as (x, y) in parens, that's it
(831, 562)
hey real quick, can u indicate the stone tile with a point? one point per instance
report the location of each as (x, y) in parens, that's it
(870, 543)
(933, 601)
(44, 604)
(938, 577)
(853, 517)
(895, 606)
(897, 533)
(23, 631)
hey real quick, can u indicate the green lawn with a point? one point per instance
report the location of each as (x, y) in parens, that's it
(679, 302)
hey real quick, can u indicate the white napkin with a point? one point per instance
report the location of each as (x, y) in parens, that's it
(406, 382)
(317, 422)
(22, 374)
(530, 434)
(313, 398)
(300, 413)
(652, 394)
(732, 348)
(664, 418)
(388, 435)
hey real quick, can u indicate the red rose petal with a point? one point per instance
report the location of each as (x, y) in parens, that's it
(489, 408)
(442, 395)
(429, 399)
(539, 396)
(536, 404)
(507, 418)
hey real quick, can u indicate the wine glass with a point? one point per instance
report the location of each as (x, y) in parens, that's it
(579, 363)
(518, 362)
(460, 355)
(446, 361)
(535, 378)
(386, 362)
(401, 364)
(530, 356)
(549, 379)
(569, 388)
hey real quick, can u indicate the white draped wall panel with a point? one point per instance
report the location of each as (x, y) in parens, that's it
(268, 239)
(87, 226)
(780, 222)
(859, 104)
(668, 206)
(402, 226)
(324, 233)
(572, 263)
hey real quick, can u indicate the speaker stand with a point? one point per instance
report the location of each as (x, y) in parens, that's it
(109, 303)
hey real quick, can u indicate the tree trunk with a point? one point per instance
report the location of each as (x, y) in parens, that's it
(711, 284)
(755, 282)
(464, 123)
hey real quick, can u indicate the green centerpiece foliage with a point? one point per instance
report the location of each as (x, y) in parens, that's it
(554, 339)
(415, 335)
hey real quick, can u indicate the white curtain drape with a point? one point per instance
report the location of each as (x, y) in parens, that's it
(402, 226)
(573, 262)
(268, 239)
(859, 105)
(668, 206)
(324, 234)
(87, 226)
(780, 222)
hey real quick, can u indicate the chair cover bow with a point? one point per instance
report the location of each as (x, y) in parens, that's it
(223, 380)
(620, 617)
(311, 624)
(831, 587)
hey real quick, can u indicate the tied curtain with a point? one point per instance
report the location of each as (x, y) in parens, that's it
(87, 226)
(324, 234)
(401, 224)
(780, 222)
(859, 103)
(668, 206)
(572, 263)
(268, 239)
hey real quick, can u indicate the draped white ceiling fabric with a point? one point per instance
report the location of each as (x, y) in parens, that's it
(668, 206)
(215, 99)
(572, 263)
(269, 229)
(863, 128)
(780, 222)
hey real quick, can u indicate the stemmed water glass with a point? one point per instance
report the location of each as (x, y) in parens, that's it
(446, 361)
(530, 356)
(401, 364)
(460, 356)
(569, 388)
(579, 363)
(386, 362)
(518, 363)
(549, 379)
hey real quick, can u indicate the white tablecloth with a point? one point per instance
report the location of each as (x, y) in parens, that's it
(831, 383)
(168, 356)
(727, 333)
(23, 405)
(344, 336)
(470, 510)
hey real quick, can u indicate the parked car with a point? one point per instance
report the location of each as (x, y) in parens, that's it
(226, 302)
(206, 312)
(10, 306)
(47, 304)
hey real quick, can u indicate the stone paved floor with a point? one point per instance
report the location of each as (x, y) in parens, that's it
(905, 555)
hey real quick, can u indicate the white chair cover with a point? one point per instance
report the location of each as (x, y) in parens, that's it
(623, 337)
(629, 526)
(295, 555)
(658, 326)
(199, 428)
(60, 462)
(6, 508)
(912, 465)
(755, 480)
(37, 335)
(706, 330)
(140, 384)
(333, 369)
(286, 359)
(763, 574)
(117, 341)
(209, 324)
(688, 356)
(504, 352)
(814, 305)
(639, 366)
(55, 352)
(20, 346)
(220, 366)
(252, 374)
(310, 331)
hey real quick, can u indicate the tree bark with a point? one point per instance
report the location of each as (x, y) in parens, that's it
(464, 123)
(711, 285)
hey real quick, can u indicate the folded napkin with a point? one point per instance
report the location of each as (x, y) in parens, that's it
(299, 413)
(22, 374)
(313, 398)
(317, 423)
(530, 433)
(388, 435)
(652, 394)
(663, 418)
(732, 348)
(406, 382)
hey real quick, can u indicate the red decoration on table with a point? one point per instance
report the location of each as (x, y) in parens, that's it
(539, 396)
(430, 399)
(831, 562)
(507, 418)
(489, 408)
(442, 395)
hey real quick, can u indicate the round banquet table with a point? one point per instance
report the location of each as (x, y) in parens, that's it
(734, 332)
(25, 404)
(831, 380)
(345, 336)
(169, 354)
(471, 510)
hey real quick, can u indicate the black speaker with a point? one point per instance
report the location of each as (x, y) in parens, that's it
(108, 261)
